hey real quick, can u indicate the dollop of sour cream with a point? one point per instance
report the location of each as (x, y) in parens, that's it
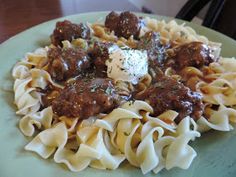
(127, 65)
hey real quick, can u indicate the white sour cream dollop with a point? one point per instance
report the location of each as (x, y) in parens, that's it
(127, 65)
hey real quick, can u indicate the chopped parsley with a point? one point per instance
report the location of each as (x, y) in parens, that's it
(126, 134)
(109, 91)
(94, 87)
(110, 70)
(110, 60)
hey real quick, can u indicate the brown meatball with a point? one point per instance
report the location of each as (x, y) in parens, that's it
(66, 30)
(112, 20)
(86, 97)
(168, 94)
(100, 53)
(155, 49)
(67, 63)
(194, 54)
(124, 25)
(156, 53)
(129, 24)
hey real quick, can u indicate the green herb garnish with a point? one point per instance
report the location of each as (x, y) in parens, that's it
(94, 87)
(109, 91)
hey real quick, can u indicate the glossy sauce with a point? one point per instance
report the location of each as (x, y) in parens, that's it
(86, 97)
(194, 54)
(124, 25)
(169, 94)
(91, 92)
(67, 63)
(66, 30)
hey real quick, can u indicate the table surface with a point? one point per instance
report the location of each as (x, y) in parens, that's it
(18, 15)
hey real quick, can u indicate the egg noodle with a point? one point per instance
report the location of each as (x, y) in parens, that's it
(129, 132)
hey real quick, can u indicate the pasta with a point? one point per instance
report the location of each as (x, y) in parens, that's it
(131, 131)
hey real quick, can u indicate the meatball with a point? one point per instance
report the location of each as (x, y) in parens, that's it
(112, 20)
(124, 25)
(155, 49)
(194, 54)
(169, 94)
(156, 53)
(100, 53)
(129, 24)
(86, 97)
(66, 30)
(67, 63)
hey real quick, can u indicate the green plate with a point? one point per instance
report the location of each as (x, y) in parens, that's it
(216, 150)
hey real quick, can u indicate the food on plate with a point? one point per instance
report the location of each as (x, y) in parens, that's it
(131, 88)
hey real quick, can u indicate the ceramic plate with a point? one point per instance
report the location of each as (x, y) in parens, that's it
(216, 150)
